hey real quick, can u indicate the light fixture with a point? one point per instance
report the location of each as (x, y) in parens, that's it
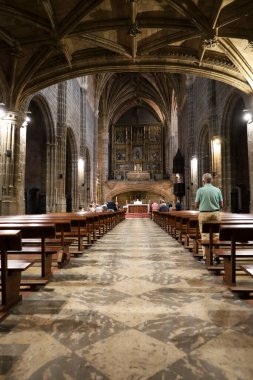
(27, 119)
(2, 110)
(247, 116)
(216, 155)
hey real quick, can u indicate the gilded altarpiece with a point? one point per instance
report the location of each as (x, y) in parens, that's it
(137, 148)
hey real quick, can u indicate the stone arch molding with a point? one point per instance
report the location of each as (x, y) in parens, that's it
(60, 43)
(42, 102)
(50, 146)
(165, 189)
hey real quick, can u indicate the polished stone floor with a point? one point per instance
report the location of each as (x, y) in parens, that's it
(135, 306)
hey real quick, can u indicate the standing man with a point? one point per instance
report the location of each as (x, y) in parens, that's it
(209, 201)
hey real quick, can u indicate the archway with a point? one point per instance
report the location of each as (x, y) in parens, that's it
(36, 161)
(240, 188)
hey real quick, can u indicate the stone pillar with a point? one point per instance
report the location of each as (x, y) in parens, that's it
(95, 157)
(12, 164)
(61, 148)
(51, 178)
(214, 134)
(103, 153)
(250, 156)
(82, 186)
(193, 164)
(60, 173)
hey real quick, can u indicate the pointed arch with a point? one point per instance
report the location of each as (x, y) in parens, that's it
(40, 157)
(235, 165)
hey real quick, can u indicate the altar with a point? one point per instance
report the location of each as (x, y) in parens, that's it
(138, 208)
(138, 176)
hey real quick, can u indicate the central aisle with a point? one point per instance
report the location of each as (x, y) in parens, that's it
(136, 305)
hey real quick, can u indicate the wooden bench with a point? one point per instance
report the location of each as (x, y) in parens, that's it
(69, 227)
(181, 225)
(212, 246)
(35, 230)
(11, 269)
(235, 233)
(248, 269)
(192, 235)
(246, 289)
(61, 226)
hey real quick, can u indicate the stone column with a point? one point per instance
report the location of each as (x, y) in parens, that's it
(51, 178)
(95, 157)
(193, 164)
(250, 156)
(60, 173)
(12, 164)
(82, 186)
(214, 134)
(61, 148)
(103, 138)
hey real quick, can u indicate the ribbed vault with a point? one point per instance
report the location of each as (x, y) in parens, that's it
(47, 41)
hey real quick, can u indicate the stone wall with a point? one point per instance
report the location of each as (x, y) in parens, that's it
(81, 124)
(205, 111)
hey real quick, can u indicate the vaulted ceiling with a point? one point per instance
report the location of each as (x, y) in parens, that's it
(152, 91)
(43, 42)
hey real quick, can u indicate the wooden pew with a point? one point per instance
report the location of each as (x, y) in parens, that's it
(235, 233)
(181, 226)
(214, 227)
(35, 230)
(11, 269)
(246, 289)
(59, 242)
(192, 235)
(68, 225)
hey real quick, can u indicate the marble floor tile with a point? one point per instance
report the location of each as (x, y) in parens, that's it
(135, 306)
(139, 357)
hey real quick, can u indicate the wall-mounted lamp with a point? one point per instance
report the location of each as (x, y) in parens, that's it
(27, 119)
(2, 110)
(247, 116)
(216, 155)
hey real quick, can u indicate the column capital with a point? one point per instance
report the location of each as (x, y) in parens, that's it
(15, 118)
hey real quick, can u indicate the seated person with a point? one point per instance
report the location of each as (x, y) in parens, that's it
(163, 207)
(104, 207)
(155, 206)
(98, 208)
(178, 206)
(111, 206)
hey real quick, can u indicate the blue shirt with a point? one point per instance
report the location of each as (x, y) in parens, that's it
(209, 198)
